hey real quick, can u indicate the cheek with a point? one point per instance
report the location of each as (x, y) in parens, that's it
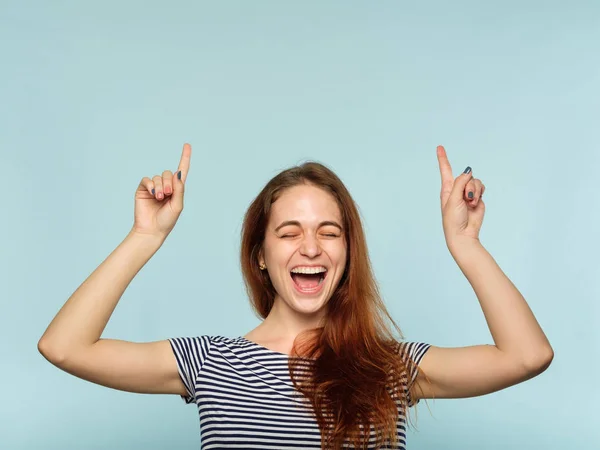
(281, 253)
(342, 252)
(275, 250)
(339, 256)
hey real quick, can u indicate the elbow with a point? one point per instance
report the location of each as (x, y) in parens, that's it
(50, 352)
(540, 361)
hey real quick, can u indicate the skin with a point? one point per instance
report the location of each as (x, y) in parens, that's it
(73, 340)
(310, 241)
(521, 350)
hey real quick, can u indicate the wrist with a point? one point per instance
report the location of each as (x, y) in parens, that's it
(458, 246)
(145, 240)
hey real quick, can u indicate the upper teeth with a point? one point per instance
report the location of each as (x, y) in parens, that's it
(309, 269)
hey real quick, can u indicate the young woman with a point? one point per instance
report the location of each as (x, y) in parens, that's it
(323, 366)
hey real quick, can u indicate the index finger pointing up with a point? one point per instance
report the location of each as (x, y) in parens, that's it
(184, 162)
(445, 168)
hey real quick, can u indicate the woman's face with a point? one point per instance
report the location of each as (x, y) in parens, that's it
(305, 248)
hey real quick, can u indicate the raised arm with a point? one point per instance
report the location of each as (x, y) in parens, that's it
(521, 349)
(73, 341)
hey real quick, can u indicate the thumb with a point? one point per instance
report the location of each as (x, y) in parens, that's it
(460, 183)
(178, 191)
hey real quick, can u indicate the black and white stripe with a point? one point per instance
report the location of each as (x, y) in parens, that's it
(245, 397)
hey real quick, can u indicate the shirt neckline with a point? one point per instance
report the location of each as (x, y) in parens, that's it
(261, 347)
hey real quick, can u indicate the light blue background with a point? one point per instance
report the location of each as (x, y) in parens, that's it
(96, 95)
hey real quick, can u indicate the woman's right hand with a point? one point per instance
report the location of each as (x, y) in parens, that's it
(159, 201)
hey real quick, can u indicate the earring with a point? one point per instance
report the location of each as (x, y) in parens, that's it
(262, 266)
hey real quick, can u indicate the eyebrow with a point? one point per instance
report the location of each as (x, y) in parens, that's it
(296, 223)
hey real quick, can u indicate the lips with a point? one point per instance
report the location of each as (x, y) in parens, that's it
(308, 284)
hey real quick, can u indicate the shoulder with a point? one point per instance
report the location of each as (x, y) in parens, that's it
(204, 345)
(411, 354)
(185, 344)
(411, 350)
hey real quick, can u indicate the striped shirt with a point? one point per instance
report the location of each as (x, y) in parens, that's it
(246, 399)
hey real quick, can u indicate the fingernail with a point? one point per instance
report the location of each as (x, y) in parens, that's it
(179, 175)
(470, 194)
(152, 191)
(467, 170)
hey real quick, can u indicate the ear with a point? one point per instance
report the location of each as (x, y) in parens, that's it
(261, 258)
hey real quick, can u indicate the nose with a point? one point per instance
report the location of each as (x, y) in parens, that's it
(309, 246)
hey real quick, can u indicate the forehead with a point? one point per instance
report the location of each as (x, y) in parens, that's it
(305, 203)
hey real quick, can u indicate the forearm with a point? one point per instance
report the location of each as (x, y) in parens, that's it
(82, 319)
(512, 324)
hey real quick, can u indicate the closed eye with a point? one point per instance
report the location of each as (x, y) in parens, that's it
(293, 235)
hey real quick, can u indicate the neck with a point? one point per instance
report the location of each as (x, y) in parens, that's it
(283, 323)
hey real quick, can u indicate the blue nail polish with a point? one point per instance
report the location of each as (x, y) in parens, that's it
(470, 194)
(467, 170)
(152, 191)
(179, 175)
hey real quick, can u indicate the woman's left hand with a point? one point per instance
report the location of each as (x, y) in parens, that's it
(462, 215)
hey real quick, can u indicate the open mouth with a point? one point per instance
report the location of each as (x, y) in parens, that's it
(308, 283)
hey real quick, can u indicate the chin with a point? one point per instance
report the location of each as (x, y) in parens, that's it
(307, 305)
(309, 309)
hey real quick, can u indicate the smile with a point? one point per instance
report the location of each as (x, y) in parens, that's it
(308, 284)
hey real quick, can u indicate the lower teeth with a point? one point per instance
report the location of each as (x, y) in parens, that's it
(311, 288)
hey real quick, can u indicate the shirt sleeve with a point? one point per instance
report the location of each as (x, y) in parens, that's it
(190, 353)
(412, 353)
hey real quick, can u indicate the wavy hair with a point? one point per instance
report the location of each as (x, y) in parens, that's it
(351, 368)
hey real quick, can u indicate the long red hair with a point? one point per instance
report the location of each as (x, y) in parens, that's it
(357, 377)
